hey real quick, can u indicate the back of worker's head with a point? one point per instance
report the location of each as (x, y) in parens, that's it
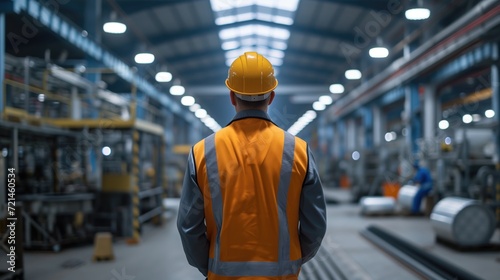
(251, 79)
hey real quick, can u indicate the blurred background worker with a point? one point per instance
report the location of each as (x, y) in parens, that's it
(252, 204)
(423, 180)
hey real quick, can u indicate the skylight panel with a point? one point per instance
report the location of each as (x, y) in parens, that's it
(264, 17)
(262, 50)
(254, 29)
(263, 30)
(249, 41)
(245, 17)
(225, 20)
(279, 45)
(281, 33)
(270, 41)
(228, 33)
(230, 45)
(282, 20)
(276, 53)
(275, 61)
(287, 5)
(222, 5)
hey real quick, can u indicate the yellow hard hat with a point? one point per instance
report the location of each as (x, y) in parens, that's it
(251, 77)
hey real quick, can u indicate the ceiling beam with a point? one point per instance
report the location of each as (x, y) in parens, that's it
(364, 4)
(133, 6)
(287, 75)
(319, 71)
(332, 58)
(180, 59)
(167, 38)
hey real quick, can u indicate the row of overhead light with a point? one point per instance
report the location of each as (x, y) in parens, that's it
(444, 124)
(302, 122)
(467, 118)
(416, 13)
(310, 115)
(115, 27)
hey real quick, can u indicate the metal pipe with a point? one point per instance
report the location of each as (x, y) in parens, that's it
(401, 256)
(2, 63)
(15, 153)
(495, 98)
(26, 83)
(417, 258)
(457, 181)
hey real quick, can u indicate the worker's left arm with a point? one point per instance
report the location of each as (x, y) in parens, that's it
(191, 220)
(312, 212)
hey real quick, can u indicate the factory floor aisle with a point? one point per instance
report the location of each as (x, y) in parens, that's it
(160, 256)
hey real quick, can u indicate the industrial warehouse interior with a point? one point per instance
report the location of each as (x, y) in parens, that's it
(101, 102)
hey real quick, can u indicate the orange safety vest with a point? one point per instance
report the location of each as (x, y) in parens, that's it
(251, 175)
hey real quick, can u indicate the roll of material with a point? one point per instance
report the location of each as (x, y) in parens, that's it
(406, 195)
(371, 205)
(465, 222)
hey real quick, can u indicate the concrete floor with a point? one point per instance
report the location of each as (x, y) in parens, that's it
(160, 255)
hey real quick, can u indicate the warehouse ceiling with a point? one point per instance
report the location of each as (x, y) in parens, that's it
(311, 43)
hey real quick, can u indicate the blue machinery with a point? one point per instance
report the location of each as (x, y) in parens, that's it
(413, 80)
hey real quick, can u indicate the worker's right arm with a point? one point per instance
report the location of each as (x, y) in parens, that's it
(191, 220)
(312, 213)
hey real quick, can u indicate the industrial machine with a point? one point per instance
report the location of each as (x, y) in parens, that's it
(88, 159)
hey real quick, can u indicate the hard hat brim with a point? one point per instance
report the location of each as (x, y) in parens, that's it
(252, 93)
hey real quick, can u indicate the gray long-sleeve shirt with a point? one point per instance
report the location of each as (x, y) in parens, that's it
(191, 216)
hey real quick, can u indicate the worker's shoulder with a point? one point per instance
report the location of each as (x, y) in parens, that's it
(299, 140)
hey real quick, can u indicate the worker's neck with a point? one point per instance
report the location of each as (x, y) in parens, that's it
(244, 108)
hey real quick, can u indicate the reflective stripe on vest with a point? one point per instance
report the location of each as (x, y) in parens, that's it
(284, 266)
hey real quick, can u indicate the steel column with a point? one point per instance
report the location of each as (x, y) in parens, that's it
(15, 146)
(2, 62)
(368, 124)
(429, 113)
(351, 135)
(413, 125)
(93, 15)
(378, 126)
(342, 136)
(495, 98)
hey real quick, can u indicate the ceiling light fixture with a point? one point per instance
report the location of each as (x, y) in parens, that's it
(114, 27)
(417, 14)
(326, 99)
(163, 77)
(336, 88)
(489, 114)
(353, 74)
(467, 118)
(200, 113)
(417, 11)
(177, 90)
(193, 108)
(187, 100)
(443, 124)
(318, 106)
(144, 58)
(379, 52)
